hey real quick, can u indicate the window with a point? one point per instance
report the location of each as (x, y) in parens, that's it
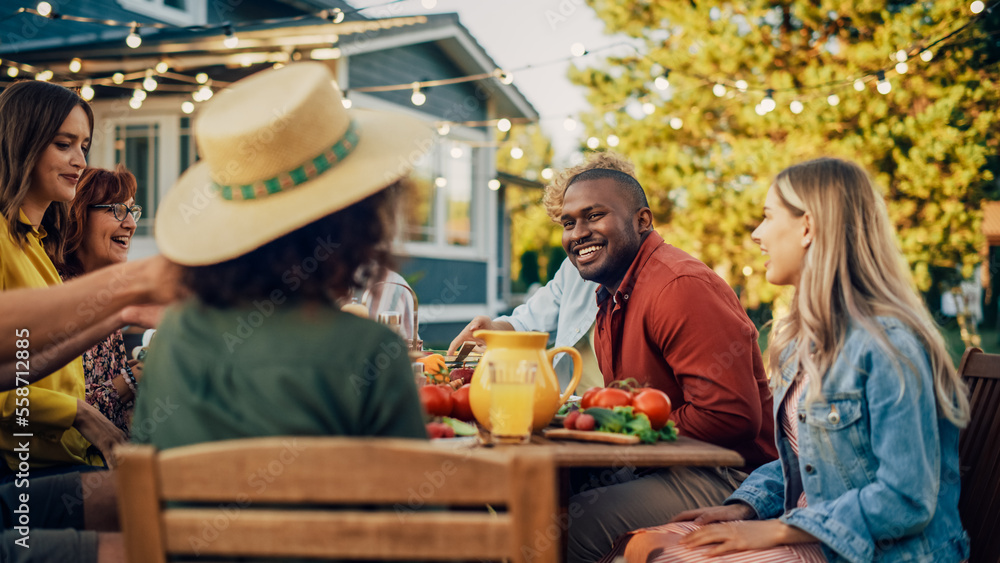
(439, 204)
(137, 146)
(177, 12)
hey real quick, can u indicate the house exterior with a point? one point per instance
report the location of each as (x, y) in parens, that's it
(451, 240)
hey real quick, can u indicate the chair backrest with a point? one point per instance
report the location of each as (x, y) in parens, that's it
(979, 455)
(330, 497)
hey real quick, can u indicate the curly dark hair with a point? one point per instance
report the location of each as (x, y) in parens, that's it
(322, 261)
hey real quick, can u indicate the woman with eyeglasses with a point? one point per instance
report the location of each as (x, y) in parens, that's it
(103, 219)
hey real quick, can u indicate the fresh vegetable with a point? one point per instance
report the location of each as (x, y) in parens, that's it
(624, 420)
(587, 400)
(585, 422)
(439, 430)
(653, 403)
(460, 407)
(463, 373)
(460, 428)
(570, 421)
(436, 399)
(612, 397)
(435, 368)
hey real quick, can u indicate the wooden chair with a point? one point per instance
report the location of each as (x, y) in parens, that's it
(337, 498)
(979, 455)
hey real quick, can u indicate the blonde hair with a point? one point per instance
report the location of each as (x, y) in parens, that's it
(853, 270)
(554, 192)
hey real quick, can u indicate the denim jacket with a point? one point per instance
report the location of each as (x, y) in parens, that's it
(567, 305)
(879, 466)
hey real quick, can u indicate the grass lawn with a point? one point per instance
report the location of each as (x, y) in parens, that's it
(989, 338)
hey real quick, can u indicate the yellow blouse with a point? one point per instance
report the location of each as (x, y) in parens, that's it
(51, 405)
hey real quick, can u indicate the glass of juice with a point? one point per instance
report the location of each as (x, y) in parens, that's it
(512, 400)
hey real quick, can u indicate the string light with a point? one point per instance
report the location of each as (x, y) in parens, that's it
(759, 108)
(135, 103)
(162, 67)
(901, 56)
(741, 85)
(206, 93)
(593, 143)
(335, 15)
(139, 94)
(648, 108)
(577, 50)
(676, 123)
(325, 54)
(428, 4)
(346, 101)
(440, 181)
(883, 85)
(44, 9)
(87, 91)
(901, 68)
(662, 82)
(493, 184)
(75, 65)
(859, 85)
(201, 78)
(796, 107)
(569, 124)
(719, 90)
(547, 173)
(187, 107)
(444, 129)
(12, 71)
(612, 140)
(926, 55)
(768, 103)
(503, 125)
(44, 76)
(418, 98)
(133, 40)
(149, 83)
(457, 152)
(977, 6)
(516, 153)
(230, 41)
(833, 99)
(118, 78)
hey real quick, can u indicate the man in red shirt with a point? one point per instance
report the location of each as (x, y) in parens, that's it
(667, 320)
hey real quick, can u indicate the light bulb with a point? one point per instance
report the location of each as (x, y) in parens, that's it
(118, 78)
(747, 270)
(676, 123)
(719, 90)
(44, 75)
(516, 153)
(901, 68)
(417, 98)
(926, 55)
(833, 99)
(661, 83)
(796, 107)
(133, 40)
(976, 7)
(12, 71)
(187, 107)
(75, 65)
(139, 94)
(648, 108)
(440, 181)
(593, 143)
(135, 103)
(44, 9)
(507, 77)
(577, 50)
(493, 184)
(547, 173)
(768, 102)
(230, 40)
(741, 85)
(149, 83)
(87, 91)
(444, 129)
(901, 56)
(205, 92)
(569, 124)
(884, 87)
(428, 4)
(457, 152)
(347, 103)
(612, 140)
(859, 85)
(759, 109)
(162, 67)
(503, 125)
(201, 78)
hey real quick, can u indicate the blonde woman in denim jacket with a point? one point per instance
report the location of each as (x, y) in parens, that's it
(867, 402)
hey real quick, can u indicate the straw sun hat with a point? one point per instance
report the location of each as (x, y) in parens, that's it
(279, 151)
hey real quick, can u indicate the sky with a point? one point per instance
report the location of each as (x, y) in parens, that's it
(518, 33)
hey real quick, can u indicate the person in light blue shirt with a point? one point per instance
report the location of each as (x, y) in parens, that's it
(566, 305)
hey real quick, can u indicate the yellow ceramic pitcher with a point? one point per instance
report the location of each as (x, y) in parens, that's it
(512, 347)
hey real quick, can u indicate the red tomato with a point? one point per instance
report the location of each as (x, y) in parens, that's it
(463, 373)
(570, 421)
(612, 397)
(587, 400)
(439, 430)
(585, 422)
(653, 403)
(436, 399)
(460, 408)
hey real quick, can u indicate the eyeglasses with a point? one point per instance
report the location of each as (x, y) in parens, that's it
(121, 210)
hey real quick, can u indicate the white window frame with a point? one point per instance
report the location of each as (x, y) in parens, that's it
(195, 14)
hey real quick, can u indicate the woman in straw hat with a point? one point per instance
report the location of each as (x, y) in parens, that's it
(290, 200)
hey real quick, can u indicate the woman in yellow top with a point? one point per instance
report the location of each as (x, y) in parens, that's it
(45, 133)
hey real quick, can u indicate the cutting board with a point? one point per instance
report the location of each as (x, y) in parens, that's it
(589, 436)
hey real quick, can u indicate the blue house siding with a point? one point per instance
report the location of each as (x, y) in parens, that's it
(414, 63)
(445, 282)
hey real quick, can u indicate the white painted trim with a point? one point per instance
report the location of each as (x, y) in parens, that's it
(352, 45)
(195, 14)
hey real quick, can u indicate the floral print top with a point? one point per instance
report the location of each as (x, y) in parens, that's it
(100, 365)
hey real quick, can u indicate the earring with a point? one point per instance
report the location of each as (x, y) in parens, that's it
(806, 243)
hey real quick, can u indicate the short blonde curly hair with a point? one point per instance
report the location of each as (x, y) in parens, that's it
(554, 192)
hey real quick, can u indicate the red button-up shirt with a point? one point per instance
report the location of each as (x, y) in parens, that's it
(677, 326)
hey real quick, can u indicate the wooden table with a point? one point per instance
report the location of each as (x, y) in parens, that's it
(685, 451)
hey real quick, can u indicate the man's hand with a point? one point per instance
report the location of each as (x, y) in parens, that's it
(482, 322)
(143, 316)
(98, 430)
(745, 535)
(136, 366)
(727, 513)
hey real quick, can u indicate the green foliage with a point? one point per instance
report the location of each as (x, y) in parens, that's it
(556, 257)
(529, 268)
(929, 143)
